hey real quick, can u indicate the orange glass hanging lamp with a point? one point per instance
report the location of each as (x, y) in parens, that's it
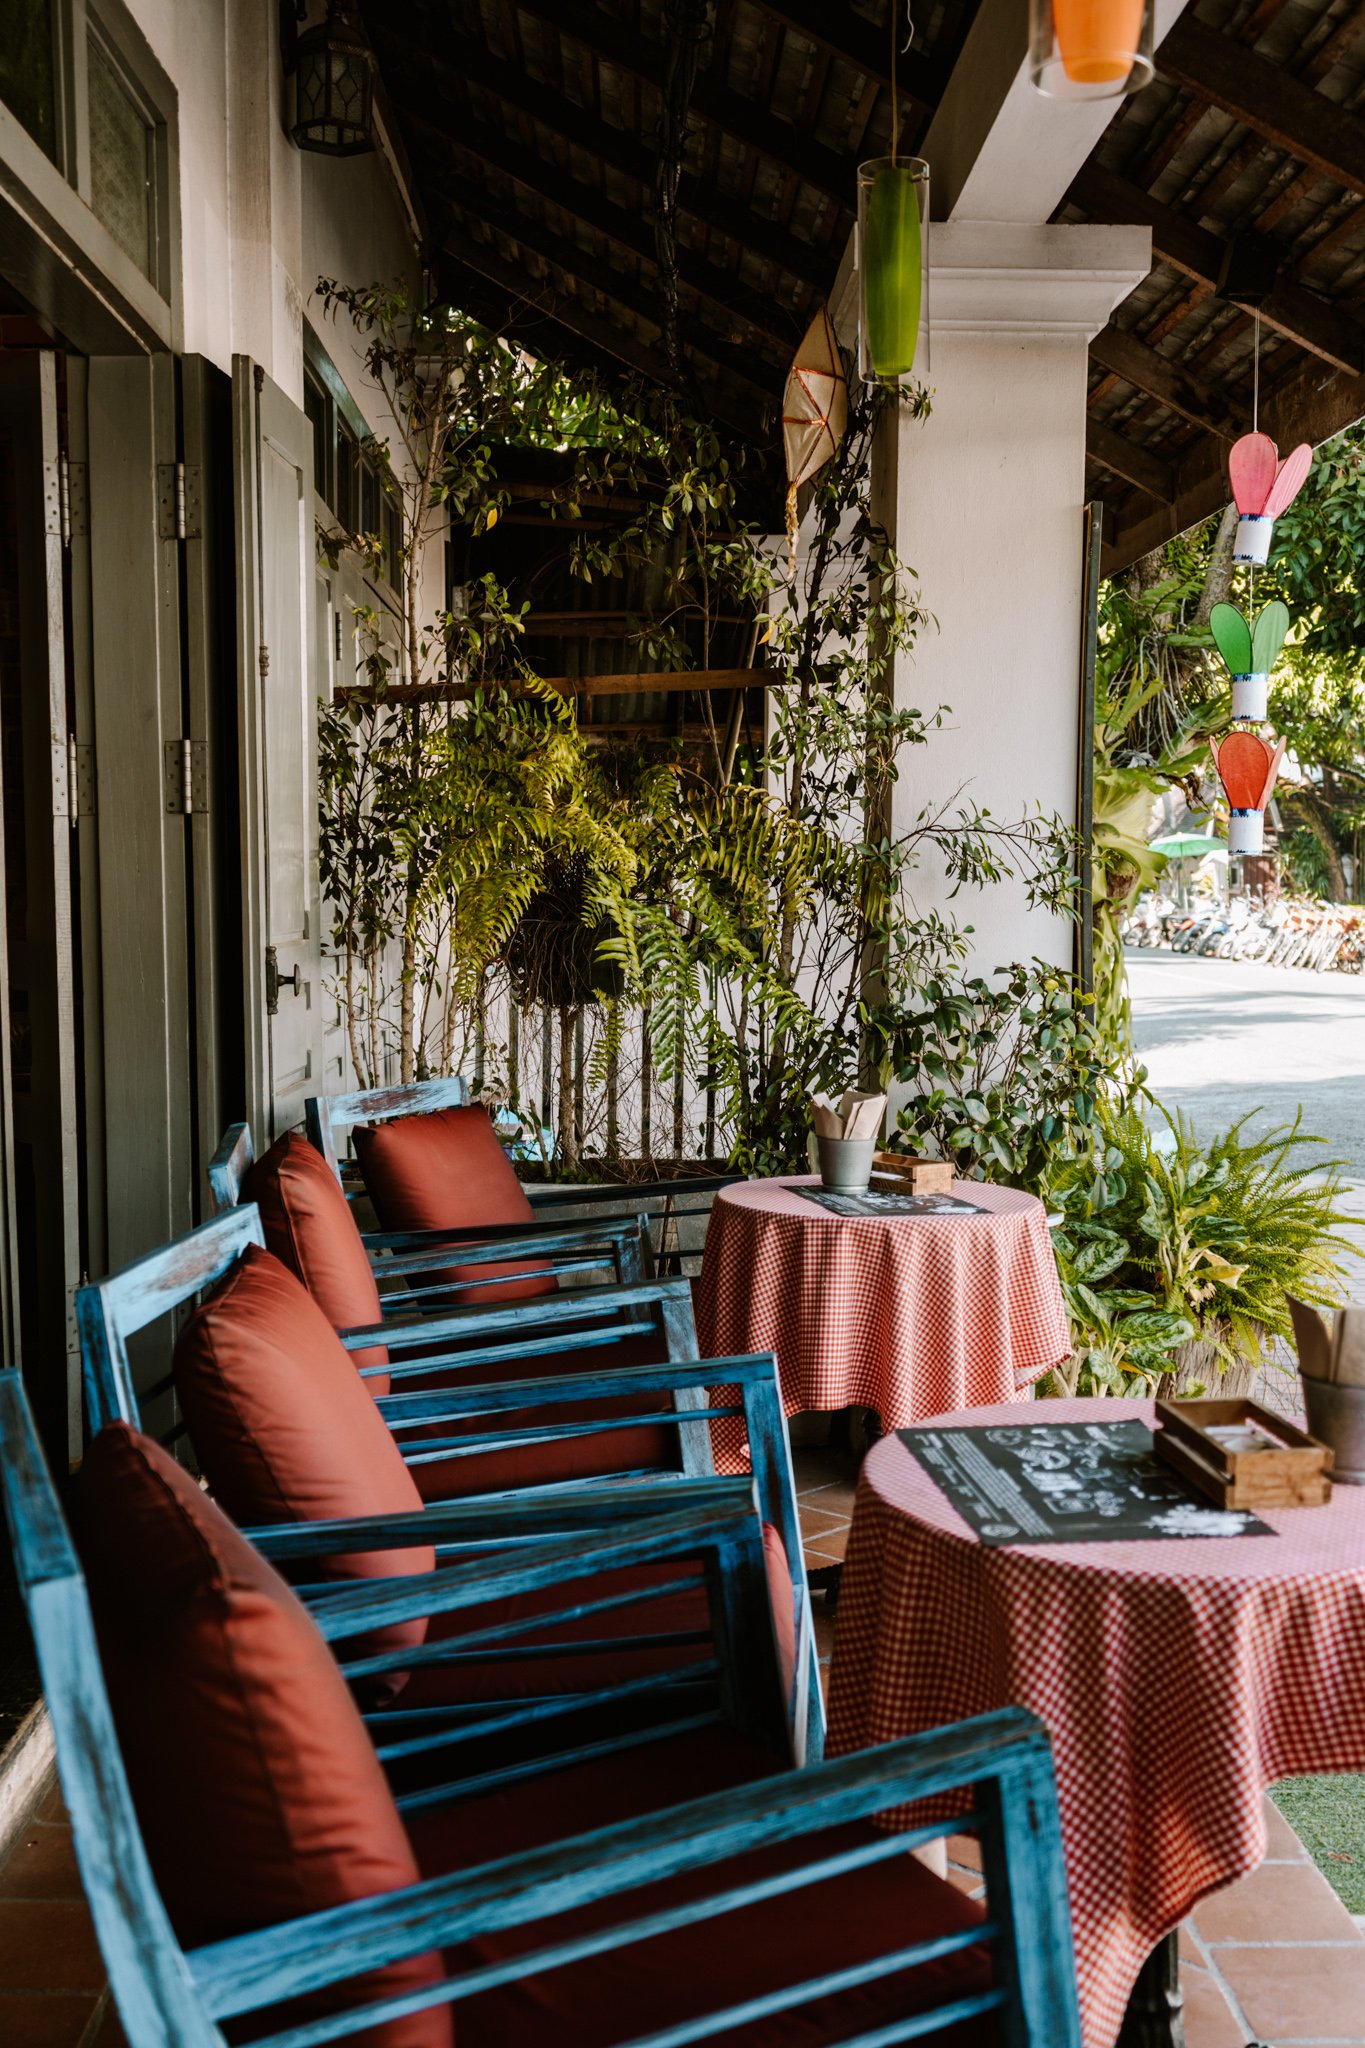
(1090, 49)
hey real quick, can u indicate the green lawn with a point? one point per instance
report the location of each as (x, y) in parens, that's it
(1328, 1816)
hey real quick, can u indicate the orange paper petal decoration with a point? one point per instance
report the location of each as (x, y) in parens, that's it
(1247, 767)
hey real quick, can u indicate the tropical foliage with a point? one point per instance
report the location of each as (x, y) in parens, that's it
(1160, 1239)
(1005, 1079)
(747, 896)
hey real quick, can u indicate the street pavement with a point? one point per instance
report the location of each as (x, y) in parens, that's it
(1220, 1038)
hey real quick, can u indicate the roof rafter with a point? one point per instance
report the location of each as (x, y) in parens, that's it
(1301, 316)
(472, 63)
(860, 43)
(743, 120)
(542, 300)
(1262, 94)
(1127, 356)
(1304, 406)
(491, 147)
(577, 263)
(1135, 465)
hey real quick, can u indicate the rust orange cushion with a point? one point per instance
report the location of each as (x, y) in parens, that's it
(286, 1431)
(309, 1226)
(254, 1778)
(447, 1171)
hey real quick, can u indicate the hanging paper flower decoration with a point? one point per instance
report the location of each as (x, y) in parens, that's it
(1247, 767)
(1250, 654)
(814, 412)
(1262, 488)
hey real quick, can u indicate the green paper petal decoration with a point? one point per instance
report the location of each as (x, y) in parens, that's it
(894, 257)
(1233, 636)
(1268, 638)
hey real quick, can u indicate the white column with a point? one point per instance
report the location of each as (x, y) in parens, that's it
(988, 496)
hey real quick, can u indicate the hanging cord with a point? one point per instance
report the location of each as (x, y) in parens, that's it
(1255, 428)
(687, 24)
(1256, 370)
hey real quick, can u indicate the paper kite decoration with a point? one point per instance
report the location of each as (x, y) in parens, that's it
(1262, 488)
(1250, 654)
(1247, 767)
(814, 412)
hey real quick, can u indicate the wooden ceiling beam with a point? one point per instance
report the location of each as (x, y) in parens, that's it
(744, 365)
(744, 120)
(1316, 324)
(465, 61)
(1135, 465)
(702, 680)
(535, 299)
(509, 311)
(1305, 406)
(1265, 97)
(1182, 390)
(490, 146)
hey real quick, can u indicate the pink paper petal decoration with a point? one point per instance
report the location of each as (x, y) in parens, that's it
(1251, 468)
(1289, 480)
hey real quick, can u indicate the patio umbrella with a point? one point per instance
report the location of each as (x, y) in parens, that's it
(1187, 845)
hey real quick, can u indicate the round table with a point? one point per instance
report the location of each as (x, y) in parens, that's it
(907, 1315)
(1179, 1679)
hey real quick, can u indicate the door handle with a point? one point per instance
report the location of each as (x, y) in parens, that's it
(275, 981)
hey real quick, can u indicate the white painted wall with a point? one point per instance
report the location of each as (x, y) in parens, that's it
(260, 219)
(989, 507)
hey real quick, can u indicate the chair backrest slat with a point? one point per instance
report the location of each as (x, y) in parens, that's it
(151, 1980)
(229, 1166)
(328, 1117)
(110, 1311)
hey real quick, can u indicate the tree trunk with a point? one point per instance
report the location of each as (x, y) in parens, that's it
(1302, 804)
(567, 1145)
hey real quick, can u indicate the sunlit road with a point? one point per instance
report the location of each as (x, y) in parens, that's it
(1220, 1038)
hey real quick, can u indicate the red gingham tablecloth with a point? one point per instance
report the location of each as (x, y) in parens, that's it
(1178, 1679)
(909, 1315)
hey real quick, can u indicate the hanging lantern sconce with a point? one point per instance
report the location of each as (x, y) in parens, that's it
(333, 68)
(893, 216)
(1090, 49)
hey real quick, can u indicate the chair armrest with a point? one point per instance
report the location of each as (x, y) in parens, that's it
(539, 1566)
(502, 1519)
(654, 1194)
(559, 1389)
(535, 1236)
(515, 1317)
(1009, 1748)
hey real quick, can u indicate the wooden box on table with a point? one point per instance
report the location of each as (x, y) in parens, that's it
(1290, 1472)
(914, 1176)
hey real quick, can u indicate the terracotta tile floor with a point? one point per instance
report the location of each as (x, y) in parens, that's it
(1274, 1960)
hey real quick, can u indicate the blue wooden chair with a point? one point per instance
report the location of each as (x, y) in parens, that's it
(402, 1259)
(768, 1838)
(328, 1119)
(674, 1395)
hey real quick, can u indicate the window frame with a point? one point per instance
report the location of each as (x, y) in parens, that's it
(55, 180)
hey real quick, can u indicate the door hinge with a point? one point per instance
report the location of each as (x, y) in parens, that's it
(178, 501)
(66, 501)
(80, 778)
(73, 779)
(186, 776)
(275, 981)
